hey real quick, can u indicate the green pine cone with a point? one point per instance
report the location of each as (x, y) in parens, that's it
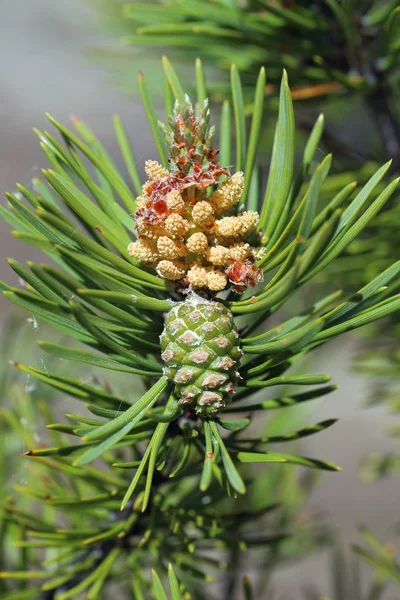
(201, 350)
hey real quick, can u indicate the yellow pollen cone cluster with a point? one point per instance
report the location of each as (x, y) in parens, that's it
(190, 237)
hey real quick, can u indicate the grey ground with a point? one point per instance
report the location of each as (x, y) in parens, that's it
(43, 68)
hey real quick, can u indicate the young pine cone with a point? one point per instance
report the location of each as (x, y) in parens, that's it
(201, 351)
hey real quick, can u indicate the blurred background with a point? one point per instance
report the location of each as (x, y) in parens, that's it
(47, 65)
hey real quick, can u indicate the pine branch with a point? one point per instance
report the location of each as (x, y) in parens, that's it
(163, 308)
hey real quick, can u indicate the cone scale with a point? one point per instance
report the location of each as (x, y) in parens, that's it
(201, 351)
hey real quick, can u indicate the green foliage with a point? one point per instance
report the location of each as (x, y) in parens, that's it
(159, 592)
(163, 491)
(97, 542)
(23, 409)
(329, 47)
